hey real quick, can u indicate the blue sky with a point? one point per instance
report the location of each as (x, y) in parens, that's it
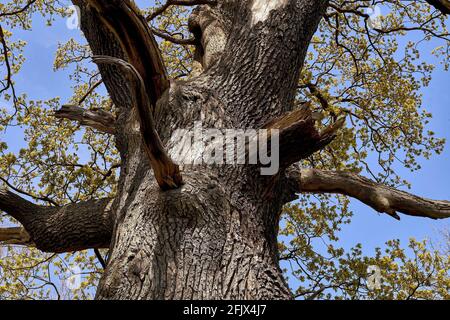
(39, 81)
(431, 181)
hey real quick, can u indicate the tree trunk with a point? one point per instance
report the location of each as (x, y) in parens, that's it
(213, 238)
(199, 231)
(216, 236)
(206, 240)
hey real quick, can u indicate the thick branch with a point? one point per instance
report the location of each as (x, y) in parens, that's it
(97, 119)
(167, 173)
(441, 5)
(58, 229)
(123, 19)
(380, 197)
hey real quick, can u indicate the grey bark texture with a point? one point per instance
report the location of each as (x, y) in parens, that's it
(59, 229)
(215, 235)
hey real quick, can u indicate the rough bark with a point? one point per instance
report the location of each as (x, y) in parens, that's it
(215, 236)
(166, 172)
(58, 229)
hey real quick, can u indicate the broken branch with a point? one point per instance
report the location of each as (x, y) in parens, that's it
(123, 19)
(98, 119)
(299, 137)
(167, 173)
(15, 236)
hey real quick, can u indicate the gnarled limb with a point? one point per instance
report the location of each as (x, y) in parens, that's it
(122, 18)
(211, 34)
(148, 75)
(68, 228)
(167, 173)
(97, 119)
(380, 197)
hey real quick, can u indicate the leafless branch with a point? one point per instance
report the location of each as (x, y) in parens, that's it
(382, 198)
(97, 118)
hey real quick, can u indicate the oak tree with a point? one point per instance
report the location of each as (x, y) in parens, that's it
(333, 81)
